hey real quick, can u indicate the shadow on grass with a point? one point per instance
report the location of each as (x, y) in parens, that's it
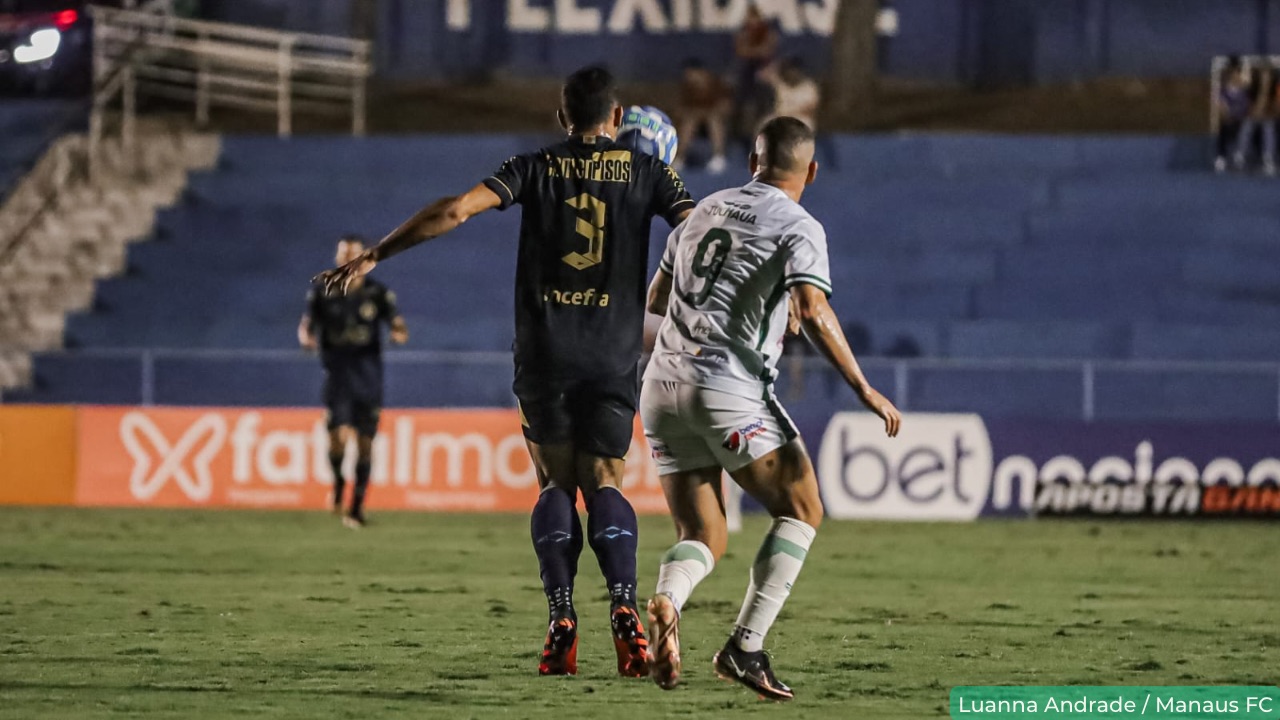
(423, 695)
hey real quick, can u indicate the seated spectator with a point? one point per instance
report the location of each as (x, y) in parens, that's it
(1233, 106)
(704, 106)
(1263, 116)
(795, 94)
(755, 47)
(799, 96)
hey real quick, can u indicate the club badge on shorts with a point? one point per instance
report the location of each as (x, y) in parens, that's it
(739, 438)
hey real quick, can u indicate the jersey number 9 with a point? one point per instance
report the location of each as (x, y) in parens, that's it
(708, 261)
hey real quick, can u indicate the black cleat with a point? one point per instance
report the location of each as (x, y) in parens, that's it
(750, 669)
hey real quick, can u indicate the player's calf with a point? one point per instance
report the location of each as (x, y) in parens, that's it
(784, 482)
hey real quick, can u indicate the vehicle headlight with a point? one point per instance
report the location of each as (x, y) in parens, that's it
(42, 45)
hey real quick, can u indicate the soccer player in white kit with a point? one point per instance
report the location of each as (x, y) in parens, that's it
(707, 401)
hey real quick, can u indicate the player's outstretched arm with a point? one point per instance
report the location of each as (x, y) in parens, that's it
(659, 292)
(822, 327)
(430, 222)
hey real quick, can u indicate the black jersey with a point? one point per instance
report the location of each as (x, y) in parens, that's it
(587, 204)
(350, 336)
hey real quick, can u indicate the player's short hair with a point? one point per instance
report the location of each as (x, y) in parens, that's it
(352, 238)
(588, 96)
(784, 139)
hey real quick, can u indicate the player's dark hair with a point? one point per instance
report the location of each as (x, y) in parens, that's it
(352, 238)
(783, 138)
(588, 96)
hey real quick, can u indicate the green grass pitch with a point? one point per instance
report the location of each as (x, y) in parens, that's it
(158, 614)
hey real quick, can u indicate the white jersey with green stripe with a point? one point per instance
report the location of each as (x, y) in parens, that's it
(732, 262)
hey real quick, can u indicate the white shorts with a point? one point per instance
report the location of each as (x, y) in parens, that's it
(690, 427)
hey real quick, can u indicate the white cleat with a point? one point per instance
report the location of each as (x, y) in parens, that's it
(664, 628)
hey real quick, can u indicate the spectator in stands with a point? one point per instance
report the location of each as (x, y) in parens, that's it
(704, 105)
(799, 96)
(1263, 116)
(1234, 104)
(794, 93)
(755, 46)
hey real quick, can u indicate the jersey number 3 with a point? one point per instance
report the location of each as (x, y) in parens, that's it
(590, 226)
(708, 261)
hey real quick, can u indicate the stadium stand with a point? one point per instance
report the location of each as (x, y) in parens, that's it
(63, 227)
(25, 126)
(1040, 251)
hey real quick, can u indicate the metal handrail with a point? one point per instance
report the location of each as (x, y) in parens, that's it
(271, 69)
(901, 368)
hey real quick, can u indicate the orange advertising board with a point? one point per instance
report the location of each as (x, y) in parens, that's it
(446, 460)
(37, 455)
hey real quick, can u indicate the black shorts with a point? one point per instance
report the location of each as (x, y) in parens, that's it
(595, 415)
(346, 408)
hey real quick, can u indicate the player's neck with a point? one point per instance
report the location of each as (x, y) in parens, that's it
(597, 131)
(790, 186)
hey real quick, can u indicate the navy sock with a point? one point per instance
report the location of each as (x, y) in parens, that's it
(339, 482)
(612, 531)
(557, 539)
(362, 486)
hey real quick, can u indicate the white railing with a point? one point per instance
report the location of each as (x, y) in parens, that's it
(148, 51)
(795, 370)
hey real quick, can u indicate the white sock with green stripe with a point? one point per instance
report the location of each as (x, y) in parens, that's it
(683, 567)
(775, 570)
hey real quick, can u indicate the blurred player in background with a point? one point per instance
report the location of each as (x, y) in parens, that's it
(346, 329)
(587, 204)
(708, 403)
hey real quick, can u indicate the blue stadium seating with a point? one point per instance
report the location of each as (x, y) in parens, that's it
(986, 248)
(26, 127)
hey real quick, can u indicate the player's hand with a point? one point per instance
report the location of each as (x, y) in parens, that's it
(339, 279)
(880, 405)
(308, 343)
(399, 335)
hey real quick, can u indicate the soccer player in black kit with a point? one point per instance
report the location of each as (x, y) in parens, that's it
(346, 329)
(587, 204)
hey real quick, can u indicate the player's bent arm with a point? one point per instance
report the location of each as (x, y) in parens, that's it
(822, 327)
(435, 220)
(306, 338)
(659, 292)
(399, 330)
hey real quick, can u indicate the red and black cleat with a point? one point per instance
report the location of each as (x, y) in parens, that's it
(630, 643)
(560, 653)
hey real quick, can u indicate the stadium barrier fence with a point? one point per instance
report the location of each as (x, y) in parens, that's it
(1087, 390)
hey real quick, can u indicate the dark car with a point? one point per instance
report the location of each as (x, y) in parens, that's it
(46, 47)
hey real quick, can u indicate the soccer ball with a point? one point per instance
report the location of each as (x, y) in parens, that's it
(648, 130)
